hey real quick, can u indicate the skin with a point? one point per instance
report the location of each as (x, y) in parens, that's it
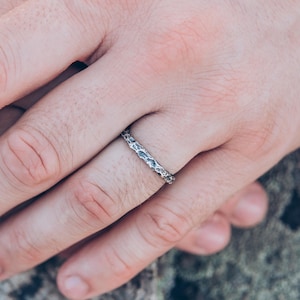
(245, 209)
(210, 88)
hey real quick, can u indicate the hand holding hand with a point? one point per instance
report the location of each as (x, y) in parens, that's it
(210, 88)
(245, 209)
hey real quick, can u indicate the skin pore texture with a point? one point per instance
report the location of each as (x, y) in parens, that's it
(209, 88)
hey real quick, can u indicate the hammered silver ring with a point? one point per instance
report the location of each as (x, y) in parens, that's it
(143, 154)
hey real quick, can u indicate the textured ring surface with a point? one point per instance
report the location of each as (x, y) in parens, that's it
(143, 154)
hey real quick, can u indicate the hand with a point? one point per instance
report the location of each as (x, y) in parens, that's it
(202, 101)
(246, 209)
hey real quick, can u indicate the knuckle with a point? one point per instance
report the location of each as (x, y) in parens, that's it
(87, 15)
(21, 242)
(170, 48)
(91, 205)
(30, 158)
(162, 227)
(259, 133)
(121, 270)
(183, 42)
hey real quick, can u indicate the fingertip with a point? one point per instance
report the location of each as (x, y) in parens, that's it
(211, 237)
(251, 208)
(73, 286)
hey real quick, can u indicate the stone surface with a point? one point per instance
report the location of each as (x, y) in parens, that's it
(259, 264)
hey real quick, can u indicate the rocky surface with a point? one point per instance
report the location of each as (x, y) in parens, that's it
(259, 264)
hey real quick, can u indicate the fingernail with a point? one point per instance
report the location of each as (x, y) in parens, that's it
(210, 235)
(76, 287)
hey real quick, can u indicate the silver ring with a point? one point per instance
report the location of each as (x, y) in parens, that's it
(143, 154)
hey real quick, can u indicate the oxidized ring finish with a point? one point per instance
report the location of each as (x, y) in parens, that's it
(143, 154)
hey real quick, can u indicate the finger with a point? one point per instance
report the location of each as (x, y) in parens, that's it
(46, 145)
(106, 188)
(30, 58)
(42, 148)
(10, 114)
(156, 226)
(248, 207)
(93, 198)
(29, 100)
(245, 209)
(214, 234)
(208, 238)
(36, 153)
(14, 189)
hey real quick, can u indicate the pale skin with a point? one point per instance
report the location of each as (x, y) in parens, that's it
(245, 209)
(211, 88)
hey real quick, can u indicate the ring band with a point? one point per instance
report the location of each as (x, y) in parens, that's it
(143, 154)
